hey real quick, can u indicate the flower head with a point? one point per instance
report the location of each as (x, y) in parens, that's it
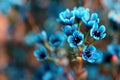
(98, 33)
(114, 49)
(41, 37)
(78, 12)
(89, 54)
(76, 39)
(67, 17)
(41, 53)
(68, 30)
(56, 40)
(90, 20)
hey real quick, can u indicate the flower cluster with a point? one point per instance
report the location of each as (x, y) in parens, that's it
(46, 44)
(72, 21)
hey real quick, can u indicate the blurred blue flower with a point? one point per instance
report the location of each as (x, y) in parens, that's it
(16, 72)
(66, 17)
(68, 30)
(48, 71)
(76, 39)
(89, 54)
(56, 40)
(114, 48)
(41, 53)
(41, 37)
(89, 20)
(78, 12)
(98, 33)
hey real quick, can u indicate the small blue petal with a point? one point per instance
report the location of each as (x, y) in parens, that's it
(72, 45)
(102, 28)
(83, 57)
(103, 36)
(91, 60)
(70, 39)
(91, 48)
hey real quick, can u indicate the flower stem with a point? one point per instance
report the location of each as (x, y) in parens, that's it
(47, 46)
(92, 42)
(80, 64)
(51, 59)
(86, 36)
(79, 25)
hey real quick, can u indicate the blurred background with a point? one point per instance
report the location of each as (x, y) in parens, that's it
(20, 20)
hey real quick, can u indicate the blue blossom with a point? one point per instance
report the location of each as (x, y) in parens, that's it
(114, 49)
(76, 39)
(41, 53)
(89, 54)
(67, 17)
(98, 33)
(56, 40)
(89, 20)
(48, 71)
(79, 12)
(68, 30)
(41, 37)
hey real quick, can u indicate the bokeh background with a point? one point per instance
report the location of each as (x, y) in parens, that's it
(19, 19)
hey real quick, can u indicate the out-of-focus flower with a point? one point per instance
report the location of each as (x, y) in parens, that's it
(41, 53)
(66, 17)
(114, 16)
(90, 20)
(14, 72)
(114, 48)
(79, 12)
(56, 40)
(76, 39)
(68, 30)
(98, 33)
(42, 36)
(48, 71)
(89, 54)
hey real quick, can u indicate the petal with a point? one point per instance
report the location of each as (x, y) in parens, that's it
(36, 53)
(95, 26)
(83, 19)
(72, 45)
(91, 60)
(70, 39)
(76, 33)
(103, 36)
(72, 19)
(86, 16)
(94, 16)
(61, 16)
(102, 29)
(96, 38)
(91, 49)
(75, 27)
(66, 21)
(80, 43)
(84, 49)
(91, 22)
(83, 57)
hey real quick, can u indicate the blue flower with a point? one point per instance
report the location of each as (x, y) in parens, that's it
(98, 33)
(41, 53)
(68, 30)
(66, 17)
(79, 12)
(90, 20)
(89, 54)
(114, 49)
(76, 39)
(48, 71)
(41, 37)
(56, 40)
